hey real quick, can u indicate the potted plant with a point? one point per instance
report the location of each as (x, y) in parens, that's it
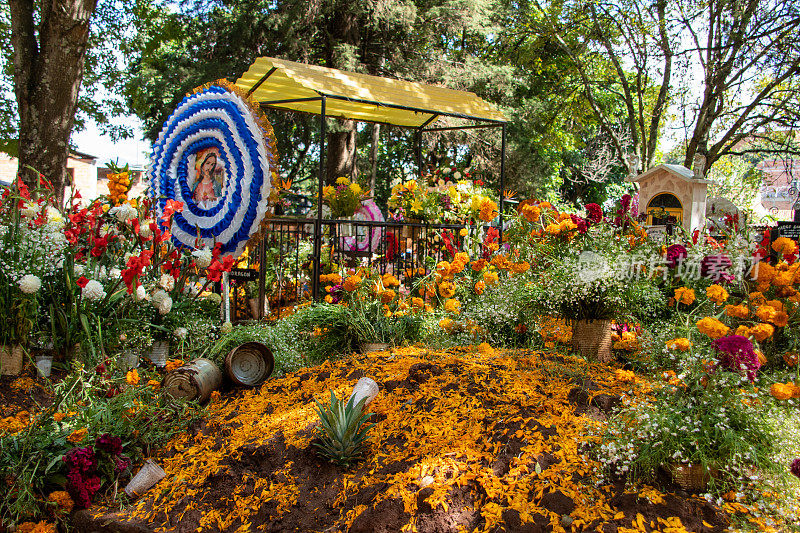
(343, 200)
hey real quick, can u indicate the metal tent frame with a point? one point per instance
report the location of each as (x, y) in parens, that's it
(490, 119)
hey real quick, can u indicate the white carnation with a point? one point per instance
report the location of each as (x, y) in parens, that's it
(124, 212)
(446, 170)
(114, 273)
(140, 293)
(165, 306)
(29, 210)
(30, 284)
(144, 229)
(93, 290)
(166, 282)
(457, 175)
(181, 333)
(158, 297)
(202, 257)
(55, 219)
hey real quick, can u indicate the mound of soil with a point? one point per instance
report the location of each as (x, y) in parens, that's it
(461, 442)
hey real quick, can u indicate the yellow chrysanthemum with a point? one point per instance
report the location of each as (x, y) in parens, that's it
(685, 295)
(717, 294)
(712, 327)
(681, 344)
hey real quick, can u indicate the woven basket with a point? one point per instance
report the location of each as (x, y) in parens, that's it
(693, 477)
(592, 338)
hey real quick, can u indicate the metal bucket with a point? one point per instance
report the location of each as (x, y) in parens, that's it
(195, 381)
(249, 364)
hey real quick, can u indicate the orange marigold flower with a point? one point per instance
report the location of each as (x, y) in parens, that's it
(791, 358)
(452, 306)
(488, 211)
(478, 265)
(742, 331)
(776, 304)
(443, 268)
(782, 391)
(78, 435)
(387, 296)
(685, 295)
(446, 324)
(780, 319)
(389, 280)
(737, 311)
(763, 272)
(784, 246)
(352, 283)
(625, 376)
(762, 332)
(58, 416)
(783, 279)
(329, 299)
(154, 384)
(63, 501)
(173, 364)
(681, 344)
(447, 289)
(712, 327)
(553, 229)
(132, 377)
(480, 286)
(417, 303)
(37, 527)
(757, 298)
(717, 294)
(490, 278)
(531, 213)
(519, 268)
(766, 313)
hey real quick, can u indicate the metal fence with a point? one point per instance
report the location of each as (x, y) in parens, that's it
(285, 261)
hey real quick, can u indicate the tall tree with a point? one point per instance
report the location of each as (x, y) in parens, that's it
(50, 42)
(746, 53)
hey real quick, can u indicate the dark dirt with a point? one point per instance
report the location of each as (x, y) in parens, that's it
(320, 482)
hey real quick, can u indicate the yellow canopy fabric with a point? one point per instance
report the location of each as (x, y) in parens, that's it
(360, 96)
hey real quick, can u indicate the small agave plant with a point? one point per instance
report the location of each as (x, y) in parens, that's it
(343, 430)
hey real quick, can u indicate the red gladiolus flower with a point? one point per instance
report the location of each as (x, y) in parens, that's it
(170, 209)
(81, 282)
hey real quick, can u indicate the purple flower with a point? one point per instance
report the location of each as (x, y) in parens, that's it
(594, 212)
(80, 459)
(582, 223)
(715, 267)
(624, 204)
(109, 443)
(121, 463)
(795, 468)
(675, 254)
(737, 355)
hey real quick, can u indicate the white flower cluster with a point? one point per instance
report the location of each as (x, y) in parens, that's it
(30, 284)
(93, 290)
(202, 257)
(35, 250)
(161, 301)
(124, 212)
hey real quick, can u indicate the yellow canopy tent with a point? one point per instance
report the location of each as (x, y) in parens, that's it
(351, 95)
(290, 86)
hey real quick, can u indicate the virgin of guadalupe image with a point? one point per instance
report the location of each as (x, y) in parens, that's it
(210, 174)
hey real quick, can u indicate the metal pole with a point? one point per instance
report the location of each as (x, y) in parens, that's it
(318, 221)
(262, 272)
(502, 177)
(418, 150)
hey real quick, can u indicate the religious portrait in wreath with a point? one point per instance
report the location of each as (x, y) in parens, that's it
(208, 177)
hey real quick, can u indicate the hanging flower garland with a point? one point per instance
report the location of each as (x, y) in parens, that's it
(217, 155)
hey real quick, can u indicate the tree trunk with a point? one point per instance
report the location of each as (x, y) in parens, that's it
(47, 78)
(373, 156)
(341, 158)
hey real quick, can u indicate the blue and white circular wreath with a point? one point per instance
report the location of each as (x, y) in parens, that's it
(215, 117)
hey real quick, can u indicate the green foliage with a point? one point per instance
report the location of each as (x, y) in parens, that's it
(342, 433)
(100, 404)
(281, 337)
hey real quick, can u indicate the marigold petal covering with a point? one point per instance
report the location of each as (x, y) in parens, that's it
(214, 120)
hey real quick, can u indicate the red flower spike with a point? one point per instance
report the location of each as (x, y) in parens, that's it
(81, 282)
